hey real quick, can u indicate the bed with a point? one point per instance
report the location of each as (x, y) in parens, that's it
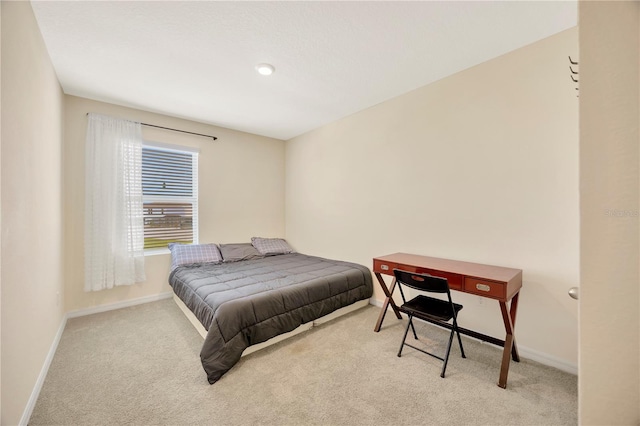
(248, 302)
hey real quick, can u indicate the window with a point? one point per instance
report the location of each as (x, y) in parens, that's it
(169, 195)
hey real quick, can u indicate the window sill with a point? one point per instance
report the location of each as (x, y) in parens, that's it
(154, 252)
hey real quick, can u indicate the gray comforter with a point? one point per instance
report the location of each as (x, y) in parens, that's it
(248, 302)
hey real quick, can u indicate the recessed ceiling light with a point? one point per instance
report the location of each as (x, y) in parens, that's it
(265, 69)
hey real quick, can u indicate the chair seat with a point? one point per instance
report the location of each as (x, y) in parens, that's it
(429, 308)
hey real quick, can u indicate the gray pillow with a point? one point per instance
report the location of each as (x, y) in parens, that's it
(188, 254)
(271, 246)
(236, 252)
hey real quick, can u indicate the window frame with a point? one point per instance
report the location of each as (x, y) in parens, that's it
(194, 199)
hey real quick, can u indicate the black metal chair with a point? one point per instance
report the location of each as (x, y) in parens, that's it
(435, 311)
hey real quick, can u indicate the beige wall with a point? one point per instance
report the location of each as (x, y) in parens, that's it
(0, 227)
(241, 187)
(481, 166)
(241, 181)
(32, 113)
(609, 156)
(494, 154)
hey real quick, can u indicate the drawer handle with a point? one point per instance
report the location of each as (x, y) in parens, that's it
(483, 287)
(384, 267)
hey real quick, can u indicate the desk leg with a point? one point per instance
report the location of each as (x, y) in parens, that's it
(387, 301)
(513, 310)
(508, 345)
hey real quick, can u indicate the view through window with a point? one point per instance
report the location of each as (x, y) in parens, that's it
(170, 196)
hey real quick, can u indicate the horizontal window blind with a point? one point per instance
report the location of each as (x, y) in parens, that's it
(167, 173)
(170, 196)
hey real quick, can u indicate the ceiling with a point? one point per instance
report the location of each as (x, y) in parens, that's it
(196, 59)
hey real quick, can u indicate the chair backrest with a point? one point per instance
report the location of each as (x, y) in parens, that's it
(423, 282)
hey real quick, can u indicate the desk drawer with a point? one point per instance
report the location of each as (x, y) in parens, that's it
(484, 288)
(382, 267)
(455, 280)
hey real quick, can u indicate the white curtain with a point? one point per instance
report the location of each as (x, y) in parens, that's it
(114, 223)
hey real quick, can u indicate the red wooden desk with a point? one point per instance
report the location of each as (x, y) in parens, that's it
(494, 282)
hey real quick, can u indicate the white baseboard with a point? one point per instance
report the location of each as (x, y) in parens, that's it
(375, 302)
(532, 354)
(28, 410)
(119, 305)
(26, 415)
(548, 360)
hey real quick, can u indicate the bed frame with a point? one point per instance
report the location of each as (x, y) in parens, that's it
(302, 328)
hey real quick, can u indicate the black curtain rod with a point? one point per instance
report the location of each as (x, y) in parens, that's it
(177, 130)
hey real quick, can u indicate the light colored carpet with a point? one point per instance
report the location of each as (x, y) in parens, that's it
(141, 366)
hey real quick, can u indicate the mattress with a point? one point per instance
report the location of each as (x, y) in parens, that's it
(248, 302)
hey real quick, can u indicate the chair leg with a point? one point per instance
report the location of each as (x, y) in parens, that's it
(404, 337)
(460, 343)
(455, 327)
(413, 328)
(446, 358)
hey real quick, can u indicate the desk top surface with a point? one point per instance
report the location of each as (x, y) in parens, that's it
(479, 270)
